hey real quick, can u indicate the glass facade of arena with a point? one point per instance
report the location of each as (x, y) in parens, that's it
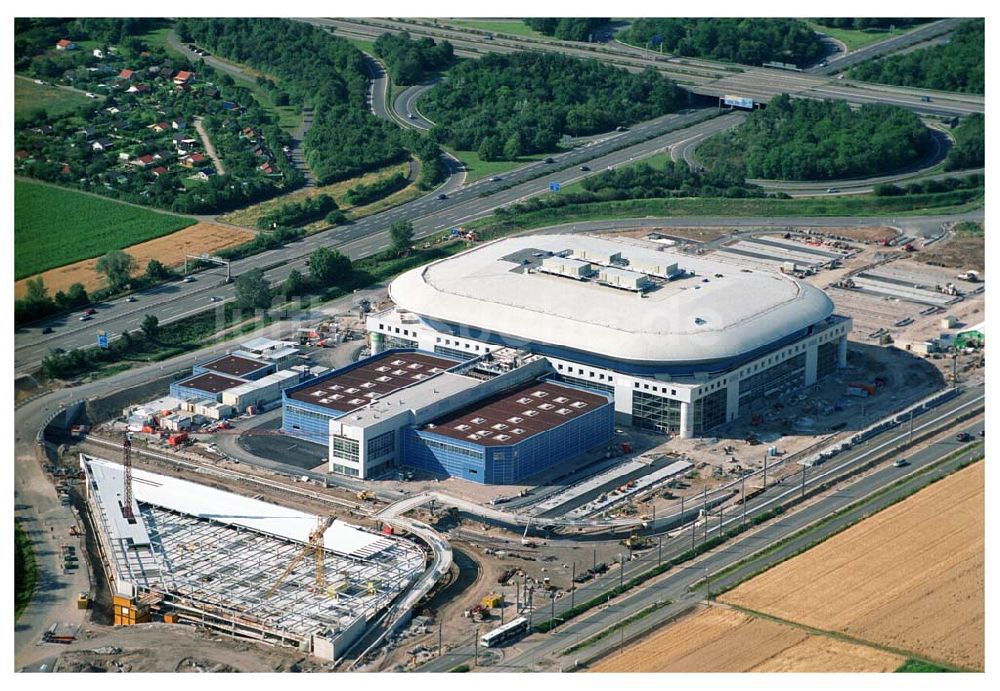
(506, 464)
(826, 358)
(586, 383)
(309, 424)
(785, 376)
(709, 411)
(455, 352)
(650, 411)
(397, 342)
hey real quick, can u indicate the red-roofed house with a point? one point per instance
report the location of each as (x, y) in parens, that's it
(266, 167)
(193, 160)
(139, 89)
(126, 74)
(159, 170)
(143, 161)
(183, 77)
(65, 44)
(160, 127)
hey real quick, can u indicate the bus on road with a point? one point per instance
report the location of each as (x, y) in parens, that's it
(508, 632)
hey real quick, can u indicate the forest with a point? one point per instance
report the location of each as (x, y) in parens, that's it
(318, 70)
(969, 150)
(959, 65)
(746, 41)
(507, 105)
(411, 61)
(802, 139)
(566, 28)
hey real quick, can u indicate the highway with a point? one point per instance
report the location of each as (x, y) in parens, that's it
(538, 652)
(891, 45)
(700, 76)
(406, 104)
(365, 237)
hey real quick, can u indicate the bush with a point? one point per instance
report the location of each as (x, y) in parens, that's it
(298, 213)
(362, 194)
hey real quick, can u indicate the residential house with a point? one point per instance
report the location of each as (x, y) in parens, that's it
(102, 145)
(267, 167)
(114, 110)
(121, 125)
(44, 129)
(98, 53)
(204, 174)
(126, 75)
(124, 156)
(22, 155)
(212, 92)
(162, 155)
(159, 127)
(229, 105)
(139, 89)
(178, 124)
(192, 160)
(159, 170)
(143, 161)
(65, 44)
(88, 132)
(249, 133)
(183, 77)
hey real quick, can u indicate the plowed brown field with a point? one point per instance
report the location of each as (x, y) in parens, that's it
(910, 577)
(718, 639)
(169, 249)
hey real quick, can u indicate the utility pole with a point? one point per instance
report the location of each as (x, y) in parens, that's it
(475, 644)
(572, 588)
(440, 647)
(803, 481)
(621, 572)
(743, 495)
(909, 438)
(682, 508)
(704, 510)
(595, 559)
(659, 550)
(765, 471)
(552, 616)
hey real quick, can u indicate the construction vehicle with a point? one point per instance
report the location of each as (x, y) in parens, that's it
(317, 547)
(83, 600)
(637, 541)
(525, 540)
(366, 495)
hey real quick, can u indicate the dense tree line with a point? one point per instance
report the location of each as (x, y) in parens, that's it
(298, 213)
(959, 65)
(672, 179)
(410, 61)
(803, 139)
(507, 105)
(36, 302)
(970, 144)
(362, 194)
(318, 70)
(931, 186)
(747, 41)
(566, 28)
(863, 23)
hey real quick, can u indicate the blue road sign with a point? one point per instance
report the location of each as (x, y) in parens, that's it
(554, 187)
(102, 339)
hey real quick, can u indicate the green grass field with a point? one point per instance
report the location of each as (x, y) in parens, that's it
(478, 168)
(54, 227)
(853, 38)
(29, 97)
(514, 28)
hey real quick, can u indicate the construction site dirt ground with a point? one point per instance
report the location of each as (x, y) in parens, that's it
(911, 577)
(169, 250)
(718, 639)
(173, 648)
(960, 250)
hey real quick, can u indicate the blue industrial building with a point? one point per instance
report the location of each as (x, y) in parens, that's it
(204, 386)
(236, 365)
(512, 435)
(307, 409)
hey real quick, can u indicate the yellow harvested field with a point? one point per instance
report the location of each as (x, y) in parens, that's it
(169, 249)
(719, 639)
(911, 577)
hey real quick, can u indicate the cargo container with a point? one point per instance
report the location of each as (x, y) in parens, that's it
(177, 439)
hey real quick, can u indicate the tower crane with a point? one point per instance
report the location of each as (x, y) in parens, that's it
(316, 546)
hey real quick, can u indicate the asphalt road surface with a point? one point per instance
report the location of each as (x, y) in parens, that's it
(367, 236)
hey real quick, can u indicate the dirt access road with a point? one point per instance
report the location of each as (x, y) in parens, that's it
(207, 141)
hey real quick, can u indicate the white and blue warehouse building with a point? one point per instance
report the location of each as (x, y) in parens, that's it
(496, 419)
(681, 343)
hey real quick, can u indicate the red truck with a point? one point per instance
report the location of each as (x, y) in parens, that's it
(177, 439)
